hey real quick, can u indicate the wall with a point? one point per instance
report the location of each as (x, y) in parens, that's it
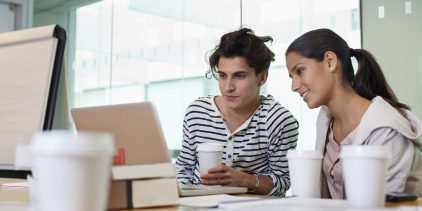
(17, 11)
(395, 41)
(59, 14)
(7, 17)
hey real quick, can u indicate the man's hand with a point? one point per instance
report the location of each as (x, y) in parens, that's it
(225, 175)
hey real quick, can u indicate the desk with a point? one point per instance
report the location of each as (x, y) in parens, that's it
(21, 195)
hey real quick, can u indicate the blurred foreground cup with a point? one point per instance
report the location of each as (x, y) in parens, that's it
(71, 172)
(365, 171)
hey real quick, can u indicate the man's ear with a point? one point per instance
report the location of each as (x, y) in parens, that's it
(262, 77)
(331, 61)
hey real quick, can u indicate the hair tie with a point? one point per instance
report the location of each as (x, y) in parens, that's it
(352, 52)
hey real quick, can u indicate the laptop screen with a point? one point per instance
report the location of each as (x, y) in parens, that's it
(136, 128)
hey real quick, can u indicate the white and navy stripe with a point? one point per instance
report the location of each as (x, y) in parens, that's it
(259, 147)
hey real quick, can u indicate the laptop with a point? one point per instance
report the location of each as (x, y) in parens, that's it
(138, 138)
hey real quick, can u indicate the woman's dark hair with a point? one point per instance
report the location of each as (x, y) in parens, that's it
(369, 80)
(242, 43)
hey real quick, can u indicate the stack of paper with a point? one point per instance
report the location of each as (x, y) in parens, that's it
(137, 186)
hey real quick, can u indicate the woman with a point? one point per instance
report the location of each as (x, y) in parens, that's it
(256, 130)
(357, 109)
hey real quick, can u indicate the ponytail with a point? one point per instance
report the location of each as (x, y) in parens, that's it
(369, 80)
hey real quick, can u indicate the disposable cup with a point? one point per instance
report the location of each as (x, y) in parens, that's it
(305, 172)
(71, 172)
(209, 155)
(364, 171)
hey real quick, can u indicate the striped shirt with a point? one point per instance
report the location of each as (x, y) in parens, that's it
(258, 147)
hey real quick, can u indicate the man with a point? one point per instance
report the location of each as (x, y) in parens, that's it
(256, 130)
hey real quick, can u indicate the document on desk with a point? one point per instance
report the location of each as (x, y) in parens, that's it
(14, 206)
(289, 203)
(293, 204)
(213, 201)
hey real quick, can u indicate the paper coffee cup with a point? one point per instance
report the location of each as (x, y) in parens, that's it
(305, 172)
(364, 172)
(71, 172)
(209, 155)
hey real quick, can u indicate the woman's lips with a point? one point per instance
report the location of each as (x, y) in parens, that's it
(303, 95)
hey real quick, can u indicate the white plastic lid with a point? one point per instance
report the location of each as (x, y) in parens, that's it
(60, 142)
(304, 154)
(210, 147)
(367, 151)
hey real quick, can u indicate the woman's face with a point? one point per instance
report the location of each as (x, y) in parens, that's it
(311, 79)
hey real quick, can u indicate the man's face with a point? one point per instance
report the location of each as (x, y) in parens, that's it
(239, 85)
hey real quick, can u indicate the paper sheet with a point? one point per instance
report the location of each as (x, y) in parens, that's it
(14, 206)
(15, 185)
(213, 200)
(295, 204)
(293, 201)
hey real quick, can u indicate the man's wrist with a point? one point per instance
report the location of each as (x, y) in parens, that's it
(255, 185)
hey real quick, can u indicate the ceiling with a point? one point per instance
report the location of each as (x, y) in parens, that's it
(42, 5)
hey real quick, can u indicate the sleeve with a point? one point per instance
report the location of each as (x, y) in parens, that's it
(284, 136)
(186, 161)
(402, 151)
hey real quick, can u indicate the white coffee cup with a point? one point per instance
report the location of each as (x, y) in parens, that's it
(209, 155)
(364, 172)
(71, 172)
(305, 172)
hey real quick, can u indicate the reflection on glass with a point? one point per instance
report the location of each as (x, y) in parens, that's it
(155, 50)
(287, 20)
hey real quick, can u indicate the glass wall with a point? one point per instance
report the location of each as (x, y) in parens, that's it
(155, 50)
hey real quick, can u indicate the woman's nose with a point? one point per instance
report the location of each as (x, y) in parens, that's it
(295, 85)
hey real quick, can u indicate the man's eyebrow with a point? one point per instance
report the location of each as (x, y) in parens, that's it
(237, 72)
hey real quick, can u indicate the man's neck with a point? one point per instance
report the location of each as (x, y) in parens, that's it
(235, 118)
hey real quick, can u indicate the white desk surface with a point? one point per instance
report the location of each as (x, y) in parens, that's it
(16, 198)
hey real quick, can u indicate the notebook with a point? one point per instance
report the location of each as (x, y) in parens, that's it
(138, 138)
